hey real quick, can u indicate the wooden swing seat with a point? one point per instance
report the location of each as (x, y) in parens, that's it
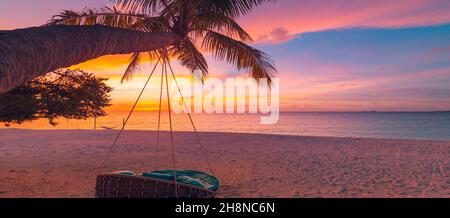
(130, 186)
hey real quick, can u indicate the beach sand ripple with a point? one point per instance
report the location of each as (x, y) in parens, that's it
(64, 163)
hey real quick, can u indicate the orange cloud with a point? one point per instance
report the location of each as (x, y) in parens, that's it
(357, 93)
(110, 64)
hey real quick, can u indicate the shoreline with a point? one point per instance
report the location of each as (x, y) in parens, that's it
(62, 163)
(245, 133)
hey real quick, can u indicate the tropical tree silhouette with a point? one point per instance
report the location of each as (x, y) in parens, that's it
(161, 28)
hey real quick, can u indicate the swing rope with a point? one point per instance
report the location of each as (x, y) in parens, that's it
(204, 151)
(171, 130)
(128, 117)
(159, 117)
(164, 72)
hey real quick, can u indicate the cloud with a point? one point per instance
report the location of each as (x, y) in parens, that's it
(278, 35)
(382, 66)
(300, 16)
(441, 50)
(347, 85)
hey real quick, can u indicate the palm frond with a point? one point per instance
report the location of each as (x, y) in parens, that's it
(144, 6)
(212, 21)
(231, 8)
(239, 54)
(154, 55)
(190, 57)
(220, 23)
(109, 17)
(132, 67)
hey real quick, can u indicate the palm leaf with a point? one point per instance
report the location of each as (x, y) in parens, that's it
(110, 17)
(190, 57)
(220, 23)
(213, 21)
(230, 8)
(240, 55)
(144, 6)
(132, 67)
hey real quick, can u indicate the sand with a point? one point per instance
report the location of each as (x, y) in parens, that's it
(63, 163)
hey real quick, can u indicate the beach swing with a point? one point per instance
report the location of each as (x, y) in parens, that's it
(159, 183)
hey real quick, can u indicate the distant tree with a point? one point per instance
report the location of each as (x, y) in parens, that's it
(71, 94)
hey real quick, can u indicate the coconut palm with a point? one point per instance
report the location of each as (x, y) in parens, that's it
(160, 28)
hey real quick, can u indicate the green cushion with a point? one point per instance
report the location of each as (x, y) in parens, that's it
(190, 177)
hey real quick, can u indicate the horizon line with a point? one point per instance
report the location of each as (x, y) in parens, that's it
(324, 111)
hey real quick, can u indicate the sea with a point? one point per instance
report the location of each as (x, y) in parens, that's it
(393, 125)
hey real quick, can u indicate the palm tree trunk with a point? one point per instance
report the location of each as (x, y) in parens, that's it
(28, 53)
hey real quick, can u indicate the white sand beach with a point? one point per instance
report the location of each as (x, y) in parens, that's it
(64, 163)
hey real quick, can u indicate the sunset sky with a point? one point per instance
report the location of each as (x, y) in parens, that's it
(352, 55)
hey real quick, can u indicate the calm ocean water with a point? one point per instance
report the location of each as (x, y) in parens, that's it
(401, 125)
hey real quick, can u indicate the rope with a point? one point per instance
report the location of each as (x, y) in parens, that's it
(163, 73)
(128, 117)
(171, 131)
(204, 151)
(159, 118)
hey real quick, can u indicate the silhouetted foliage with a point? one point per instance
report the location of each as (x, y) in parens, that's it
(210, 24)
(71, 94)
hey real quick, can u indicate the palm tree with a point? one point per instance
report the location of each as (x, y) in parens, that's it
(163, 28)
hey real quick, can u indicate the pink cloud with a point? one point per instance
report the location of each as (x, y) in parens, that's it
(279, 34)
(439, 50)
(299, 16)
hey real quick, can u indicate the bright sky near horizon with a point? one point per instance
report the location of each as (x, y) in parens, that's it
(352, 55)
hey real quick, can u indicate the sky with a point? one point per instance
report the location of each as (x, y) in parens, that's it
(352, 55)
